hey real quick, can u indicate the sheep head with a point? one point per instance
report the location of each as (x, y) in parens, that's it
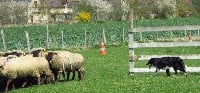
(50, 56)
(15, 52)
(39, 52)
(1, 67)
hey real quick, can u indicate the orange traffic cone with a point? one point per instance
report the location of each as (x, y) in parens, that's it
(102, 48)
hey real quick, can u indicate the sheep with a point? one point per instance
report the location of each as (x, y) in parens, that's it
(38, 52)
(18, 53)
(77, 65)
(66, 61)
(22, 67)
(73, 62)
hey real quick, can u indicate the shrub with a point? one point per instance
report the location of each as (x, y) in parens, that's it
(83, 16)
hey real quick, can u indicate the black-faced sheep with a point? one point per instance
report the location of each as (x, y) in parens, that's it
(22, 67)
(38, 52)
(17, 53)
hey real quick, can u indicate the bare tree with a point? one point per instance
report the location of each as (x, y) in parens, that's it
(13, 12)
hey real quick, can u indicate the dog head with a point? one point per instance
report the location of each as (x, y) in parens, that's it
(180, 65)
(152, 62)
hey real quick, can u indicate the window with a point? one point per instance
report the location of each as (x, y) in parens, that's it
(35, 3)
(52, 3)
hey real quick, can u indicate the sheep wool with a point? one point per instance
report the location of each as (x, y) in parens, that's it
(24, 66)
(67, 61)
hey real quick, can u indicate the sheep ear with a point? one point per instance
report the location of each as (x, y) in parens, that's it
(50, 61)
(24, 53)
(31, 52)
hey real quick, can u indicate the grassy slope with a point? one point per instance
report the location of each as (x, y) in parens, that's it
(108, 74)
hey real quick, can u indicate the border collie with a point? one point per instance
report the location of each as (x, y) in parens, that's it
(166, 63)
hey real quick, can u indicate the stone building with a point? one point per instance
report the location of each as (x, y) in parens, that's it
(46, 11)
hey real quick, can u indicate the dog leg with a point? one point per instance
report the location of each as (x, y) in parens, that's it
(157, 71)
(167, 71)
(175, 70)
(185, 73)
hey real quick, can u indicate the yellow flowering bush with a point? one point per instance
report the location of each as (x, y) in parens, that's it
(83, 16)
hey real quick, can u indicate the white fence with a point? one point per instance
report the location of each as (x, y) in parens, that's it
(133, 44)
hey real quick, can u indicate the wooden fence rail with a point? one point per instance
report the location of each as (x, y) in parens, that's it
(133, 44)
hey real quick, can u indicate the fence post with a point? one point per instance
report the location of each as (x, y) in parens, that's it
(3, 38)
(141, 38)
(28, 42)
(185, 32)
(131, 51)
(85, 42)
(47, 38)
(171, 34)
(123, 35)
(104, 36)
(62, 39)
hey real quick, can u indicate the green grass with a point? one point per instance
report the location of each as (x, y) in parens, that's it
(109, 74)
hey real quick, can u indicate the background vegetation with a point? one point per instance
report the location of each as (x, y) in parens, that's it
(16, 11)
(74, 34)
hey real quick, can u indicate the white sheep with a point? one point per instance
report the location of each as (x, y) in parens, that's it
(25, 66)
(66, 61)
(77, 61)
(61, 61)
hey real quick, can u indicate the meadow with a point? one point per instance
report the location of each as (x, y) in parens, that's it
(109, 74)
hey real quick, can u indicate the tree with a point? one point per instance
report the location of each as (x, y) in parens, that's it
(185, 8)
(13, 12)
(120, 10)
(196, 4)
(165, 8)
(106, 9)
(102, 8)
(142, 8)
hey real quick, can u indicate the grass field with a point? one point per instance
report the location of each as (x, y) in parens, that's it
(109, 74)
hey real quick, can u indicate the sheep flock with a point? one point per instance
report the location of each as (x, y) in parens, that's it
(19, 69)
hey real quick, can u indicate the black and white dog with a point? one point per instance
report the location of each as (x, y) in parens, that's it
(166, 62)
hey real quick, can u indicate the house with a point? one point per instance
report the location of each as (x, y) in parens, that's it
(45, 11)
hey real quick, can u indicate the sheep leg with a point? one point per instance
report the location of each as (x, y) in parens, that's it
(59, 75)
(55, 72)
(73, 76)
(38, 80)
(79, 75)
(23, 85)
(56, 76)
(7, 84)
(63, 73)
(68, 74)
(13, 85)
